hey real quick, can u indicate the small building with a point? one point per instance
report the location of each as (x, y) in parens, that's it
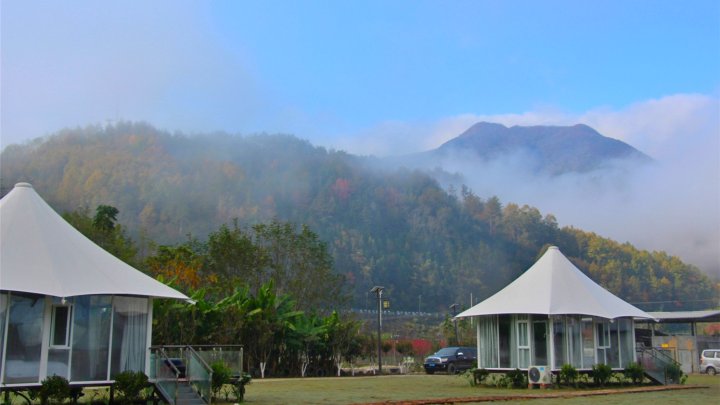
(676, 334)
(552, 315)
(67, 307)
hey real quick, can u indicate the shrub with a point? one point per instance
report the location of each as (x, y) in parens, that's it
(517, 378)
(54, 389)
(475, 376)
(601, 374)
(221, 376)
(239, 387)
(130, 385)
(404, 348)
(479, 375)
(635, 373)
(674, 373)
(568, 375)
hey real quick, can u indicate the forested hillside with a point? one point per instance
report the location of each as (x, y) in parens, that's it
(428, 246)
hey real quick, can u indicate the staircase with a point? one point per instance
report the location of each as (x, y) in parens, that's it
(655, 363)
(186, 395)
(180, 376)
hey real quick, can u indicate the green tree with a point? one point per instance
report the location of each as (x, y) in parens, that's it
(104, 230)
(269, 318)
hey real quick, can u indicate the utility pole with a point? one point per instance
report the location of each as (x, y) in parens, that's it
(453, 307)
(378, 290)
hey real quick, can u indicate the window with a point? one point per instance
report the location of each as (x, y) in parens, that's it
(60, 328)
(523, 342)
(603, 341)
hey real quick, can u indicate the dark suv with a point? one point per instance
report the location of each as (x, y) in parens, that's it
(451, 359)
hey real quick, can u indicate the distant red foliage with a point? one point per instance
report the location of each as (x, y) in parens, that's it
(421, 347)
(341, 188)
(713, 329)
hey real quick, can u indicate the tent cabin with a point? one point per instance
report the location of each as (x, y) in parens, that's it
(67, 307)
(553, 315)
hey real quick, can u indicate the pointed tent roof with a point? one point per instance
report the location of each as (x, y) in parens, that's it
(554, 286)
(41, 253)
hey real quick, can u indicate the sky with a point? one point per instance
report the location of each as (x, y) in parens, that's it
(390, 77)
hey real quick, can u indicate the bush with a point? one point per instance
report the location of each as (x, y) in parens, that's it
(54, 390)
(568, 375)
(475, 376)
(635, 373)
(130, 385)
(674, 373)
(601, 374)
(517, 378)
(221, 376)
(239, 387)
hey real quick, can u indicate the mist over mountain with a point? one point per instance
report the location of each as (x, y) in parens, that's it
(429, 244)
(591, 181)
(537, 150)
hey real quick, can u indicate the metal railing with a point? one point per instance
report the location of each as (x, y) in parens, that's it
(198, 373)
(230, 355)
(174, 364)
(656, 362)
(164, 374)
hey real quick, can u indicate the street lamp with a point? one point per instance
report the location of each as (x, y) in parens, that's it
(378, 290)
(453, 307)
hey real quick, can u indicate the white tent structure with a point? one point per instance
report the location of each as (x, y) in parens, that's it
(67, 307)
(551, 315)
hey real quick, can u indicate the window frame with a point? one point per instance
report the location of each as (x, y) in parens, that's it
(68, 326)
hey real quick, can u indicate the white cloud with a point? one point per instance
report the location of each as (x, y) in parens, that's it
(673, 205)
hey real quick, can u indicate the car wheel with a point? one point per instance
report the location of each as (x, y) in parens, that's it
(452, 369)
(711, 371)
(429, 371)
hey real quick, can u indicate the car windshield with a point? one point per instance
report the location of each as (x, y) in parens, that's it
(445, 352)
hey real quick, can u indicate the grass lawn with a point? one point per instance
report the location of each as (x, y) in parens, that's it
(353, 390)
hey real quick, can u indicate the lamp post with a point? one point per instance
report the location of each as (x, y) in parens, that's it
(453, 307)
(378, 290)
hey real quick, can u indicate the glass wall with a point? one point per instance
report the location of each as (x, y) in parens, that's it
(91, 338)
(60, 328)
(130, 316)
(24, 338)
(627, 341)
(488, 354)
(523, 340)
(509, 341)
(560, 343)
(613, 351)
(3, 311)
(540, 349)
(588, 342)
(574, 341)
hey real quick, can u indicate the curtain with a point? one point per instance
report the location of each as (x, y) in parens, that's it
(574, 341)
(488, 356)
(3, 309)
(627, 341)
(506, 347)
(129, 333)
(559, 341)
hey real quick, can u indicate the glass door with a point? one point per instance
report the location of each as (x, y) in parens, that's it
(540, 352)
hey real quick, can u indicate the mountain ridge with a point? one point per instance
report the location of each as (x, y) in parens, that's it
(396, 228)
(553, 150)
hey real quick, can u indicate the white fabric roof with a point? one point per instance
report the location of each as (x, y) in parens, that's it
(554, 286)
(41, 253)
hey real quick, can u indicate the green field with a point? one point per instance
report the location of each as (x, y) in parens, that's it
(349, 390)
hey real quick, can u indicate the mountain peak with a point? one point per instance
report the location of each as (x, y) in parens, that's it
(551, 149)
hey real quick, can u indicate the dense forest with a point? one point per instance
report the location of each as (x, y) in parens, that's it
(429, 246)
